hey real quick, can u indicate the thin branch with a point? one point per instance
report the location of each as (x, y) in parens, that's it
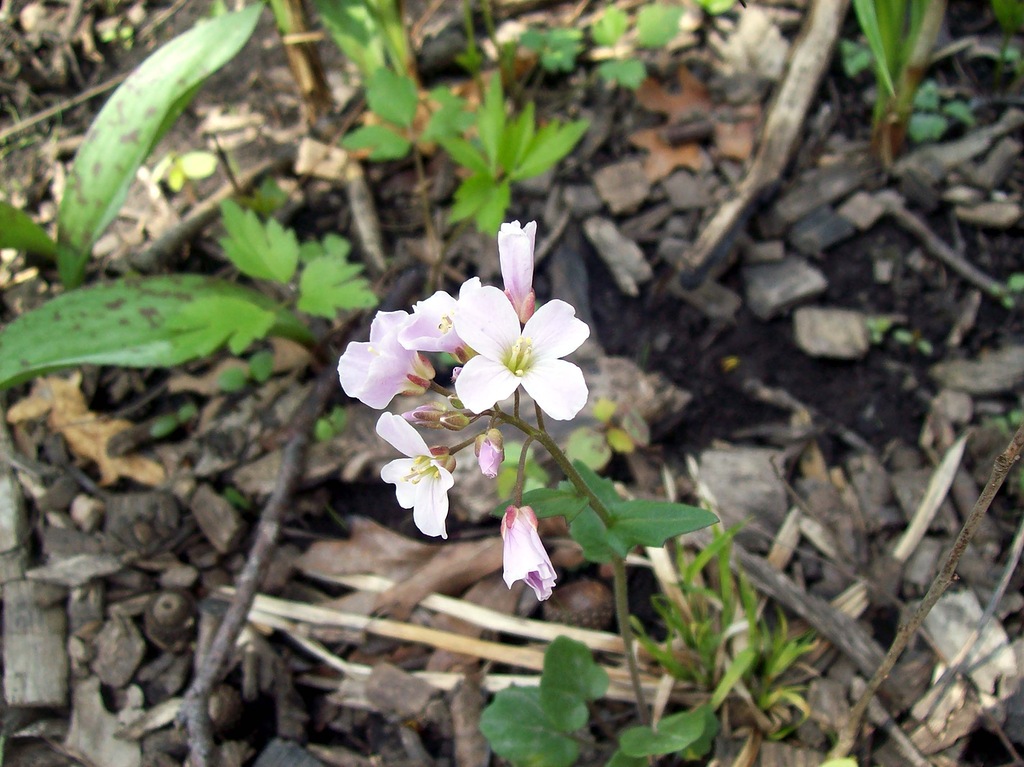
(1002, 466)
(194, 714)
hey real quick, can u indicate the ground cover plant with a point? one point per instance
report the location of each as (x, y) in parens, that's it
(478, 384)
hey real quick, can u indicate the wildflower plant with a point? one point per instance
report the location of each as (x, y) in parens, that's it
(506, 343)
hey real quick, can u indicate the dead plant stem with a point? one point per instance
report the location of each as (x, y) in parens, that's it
(1001, 468)
(194, 713)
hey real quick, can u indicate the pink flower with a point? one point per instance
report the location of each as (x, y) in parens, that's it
(524, 554)
(531, 356)
(432, 326)
(515, 252)
(490, 452)
(421, 479)
(374, 372)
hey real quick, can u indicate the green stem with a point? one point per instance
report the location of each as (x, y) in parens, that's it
(618, 563)
(517, 491)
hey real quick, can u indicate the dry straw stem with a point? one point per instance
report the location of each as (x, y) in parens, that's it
(1001, 468)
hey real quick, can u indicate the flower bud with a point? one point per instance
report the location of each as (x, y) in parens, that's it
(418, 381)
(490, 452)
(524, 556)
(455, 420)
(426, 416)
(443, 457)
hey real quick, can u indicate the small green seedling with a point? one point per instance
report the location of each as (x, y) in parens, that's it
(557, 49)
(176, 170)
(881, 327)
(621, 431)
(1010, 16)
(259, 368)
(167, 424)
(331, 425)
(933, 115)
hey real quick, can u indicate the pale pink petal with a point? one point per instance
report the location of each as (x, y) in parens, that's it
(354, 367)
(558, 387)
(386, 326)
(431, 507)
(487, 322)
(555, 330)
(490, 459)
(483, 382)
(396, 473)
(525, 559)
(430, 328)
(401, 435)
(515, 252)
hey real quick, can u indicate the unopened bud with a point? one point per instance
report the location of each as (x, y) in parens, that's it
(455, 420)
(490, 452)
(443, 457)
(426, 416)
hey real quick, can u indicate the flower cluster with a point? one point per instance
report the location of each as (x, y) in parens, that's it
(502, 340)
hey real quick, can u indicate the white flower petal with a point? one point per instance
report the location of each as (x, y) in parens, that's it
(396, 473)
(354, 366)
(558, 387)
(487, 322)
(483, 382)
(515, 253)
(555, 330)
(401, 435)
(423, 332)
(431, 508)
(386, 326)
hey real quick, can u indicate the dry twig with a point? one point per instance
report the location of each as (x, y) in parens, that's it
(194, 713)
(942, 581)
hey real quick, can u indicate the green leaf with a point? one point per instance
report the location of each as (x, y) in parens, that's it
(927, 96)
(264, 250)
(570, 678)
(604, 409)
(925, 126)
(232, 380)
(198, 165)
(598, 545)
(135, 117)
(204, 324)
(1009, 14)
(619, 759)
(855, 57)
(589, 447)
(518, 730)
(329, 284)
(960, 111)
(468, 156)
(715, 7)
(490, 122)
(491, 213)
(382, 141)
(629, 73)
(19, 231)
(548, 502)
(737, 668)
(867, 16)
(131, 322)
(610, 27)
(557, 48)
(657, 24)
(355, 31)
(844, 762)
(261, 366)
(651, 523)
(619, 440)
(450, 119)
(516, 139)
(482, 198)
(551, 143)
(675, 733)
(392, 97)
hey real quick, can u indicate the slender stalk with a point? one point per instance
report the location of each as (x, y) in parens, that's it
(517, 491)
(618, 563)
(942, 581)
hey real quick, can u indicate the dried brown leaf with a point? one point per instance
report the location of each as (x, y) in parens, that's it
(86, 433)
(690, 101)
(662, 158)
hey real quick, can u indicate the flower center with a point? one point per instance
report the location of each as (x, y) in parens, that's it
(520, 356)
(422, 467)
(446, 323)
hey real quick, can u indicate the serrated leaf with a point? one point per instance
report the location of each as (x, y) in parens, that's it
(392, 96)
(491, 213)
(450, 119)
(19, 231)
(130, 124)
(924, 126)
(467, 155)
(127, 323)
(629, 73)
(329, 284)
(481, 198)
(550, 144)
(570, 679)
(610, 27)
(518, 730)
(264, 250)
(382, 141)
(657, 24)
(516, 138)
(490, 122)
(206, 323)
